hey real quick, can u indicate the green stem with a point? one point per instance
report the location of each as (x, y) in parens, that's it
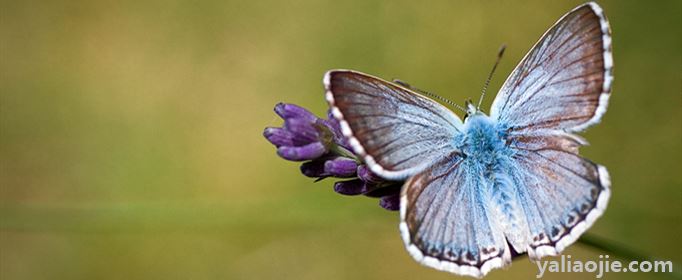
(613, 248)
(343, 152)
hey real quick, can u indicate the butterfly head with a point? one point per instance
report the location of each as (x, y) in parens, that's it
(471, 109)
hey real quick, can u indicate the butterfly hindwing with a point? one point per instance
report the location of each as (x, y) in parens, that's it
(447, 221)
(561, 193)
(397, 132)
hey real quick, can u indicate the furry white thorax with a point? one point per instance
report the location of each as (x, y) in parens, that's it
(481, 138)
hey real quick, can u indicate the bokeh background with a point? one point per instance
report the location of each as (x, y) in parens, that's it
(131, 132)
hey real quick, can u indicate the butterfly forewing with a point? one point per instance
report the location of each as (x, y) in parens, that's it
(564, 81)
(397, 132)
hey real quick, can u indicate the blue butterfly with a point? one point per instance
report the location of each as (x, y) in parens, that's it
(480, 190)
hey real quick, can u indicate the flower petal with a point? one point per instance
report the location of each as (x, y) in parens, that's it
(376, 190)
(281, 137)
(302, 129)
(341, 167)
(288, 111)
(314, 169)
(278, 136)
(390, 202)
(307, 152)
(350, 187)
(335, 127)
(334, 124)
(366, 175)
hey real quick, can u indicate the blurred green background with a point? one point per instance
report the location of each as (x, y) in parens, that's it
(131, 133)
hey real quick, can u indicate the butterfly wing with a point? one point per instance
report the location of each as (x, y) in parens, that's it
(564, 82)
(561, 86)
(561, 193)
(397, 132)
(447, 219)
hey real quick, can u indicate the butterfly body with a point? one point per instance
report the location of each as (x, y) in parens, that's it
(479, 190)
(482, 140)
(488, 154)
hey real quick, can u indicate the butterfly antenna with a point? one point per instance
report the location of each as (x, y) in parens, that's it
(487, 81)
(442, 99)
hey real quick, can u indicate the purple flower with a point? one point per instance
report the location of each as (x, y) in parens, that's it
(368, 176)
(350, 187)
(303, 136)
(325, 153)
(335, 127)
(390, 202)
(314, 168)
(291, 111)
(341, 167)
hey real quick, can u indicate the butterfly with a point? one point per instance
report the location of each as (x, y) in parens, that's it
(479, 190)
